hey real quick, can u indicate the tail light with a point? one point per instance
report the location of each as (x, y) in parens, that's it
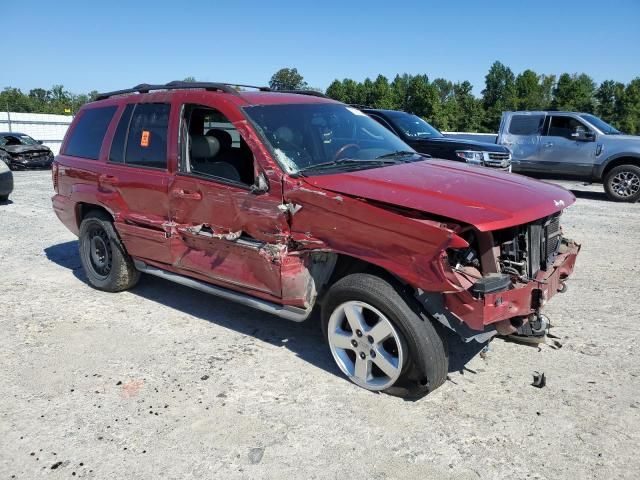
(54, 176)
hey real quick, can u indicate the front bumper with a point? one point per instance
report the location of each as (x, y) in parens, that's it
(520, 301)
(6, 183)
(31, 164)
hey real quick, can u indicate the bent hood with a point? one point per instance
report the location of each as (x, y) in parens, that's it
(481, 197)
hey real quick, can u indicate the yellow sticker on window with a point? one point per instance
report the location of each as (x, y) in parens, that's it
(144, 139)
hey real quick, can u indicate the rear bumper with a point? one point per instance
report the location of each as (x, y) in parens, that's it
(6, 183)
(520, 301)
(65, 211)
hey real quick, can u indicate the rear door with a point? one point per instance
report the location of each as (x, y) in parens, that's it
(563, 155)
(521, 132)
(136, 180)
(225, 231)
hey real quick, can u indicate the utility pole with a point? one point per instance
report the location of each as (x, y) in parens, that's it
(9, 116)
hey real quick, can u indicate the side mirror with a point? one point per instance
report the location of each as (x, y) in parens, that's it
(582, 135)
(261, 184)
(40, 142)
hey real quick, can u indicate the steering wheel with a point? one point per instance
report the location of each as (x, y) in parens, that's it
(344, 148)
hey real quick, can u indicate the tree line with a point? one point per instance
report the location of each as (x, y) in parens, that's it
(39, 100)
(453, 107)
(450, 106)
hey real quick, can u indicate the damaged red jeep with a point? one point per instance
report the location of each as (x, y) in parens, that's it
(288, 201)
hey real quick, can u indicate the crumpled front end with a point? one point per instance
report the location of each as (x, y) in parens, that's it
(508, 275)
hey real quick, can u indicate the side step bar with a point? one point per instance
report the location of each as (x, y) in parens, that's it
(295, 314)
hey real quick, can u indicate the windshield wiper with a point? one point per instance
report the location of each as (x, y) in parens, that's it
(402, 153)
(348, 162)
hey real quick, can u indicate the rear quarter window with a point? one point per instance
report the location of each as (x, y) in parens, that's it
(87, 136)
(526, 124)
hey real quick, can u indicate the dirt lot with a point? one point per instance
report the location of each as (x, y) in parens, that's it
(166, 382)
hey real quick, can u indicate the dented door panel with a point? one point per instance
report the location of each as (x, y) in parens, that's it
(227, 233)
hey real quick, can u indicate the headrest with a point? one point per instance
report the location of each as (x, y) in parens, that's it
(204, 147)
(223, 137)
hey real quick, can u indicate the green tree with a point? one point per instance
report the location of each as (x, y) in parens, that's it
(529, 91)
(609, 98)
(469, 111)
(381, 93)
(575, 93)
(630, 108)
(287, 79)
(400, 91)
(499, 94)
(336, 91)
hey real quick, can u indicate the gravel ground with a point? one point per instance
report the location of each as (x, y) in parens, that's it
(166, 382)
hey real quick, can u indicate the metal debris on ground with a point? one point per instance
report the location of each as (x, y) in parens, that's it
(539, 380)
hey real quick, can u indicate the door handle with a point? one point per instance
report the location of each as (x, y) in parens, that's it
(108, 179)
(548, 145)
(508, 144)
(187, 195)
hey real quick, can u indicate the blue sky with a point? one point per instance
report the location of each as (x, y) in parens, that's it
(119, 44)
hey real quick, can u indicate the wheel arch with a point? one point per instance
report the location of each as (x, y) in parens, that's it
(82, 210)
(625, 159)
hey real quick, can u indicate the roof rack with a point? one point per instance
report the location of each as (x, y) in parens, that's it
(311, 93)
(178, 85)
(210, 86)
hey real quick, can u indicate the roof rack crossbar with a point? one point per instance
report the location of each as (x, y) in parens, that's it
(311, 93)
(176, 85)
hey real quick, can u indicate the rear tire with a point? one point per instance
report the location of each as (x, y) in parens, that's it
(107, 265)
(378, 310)
(4, 198)
(622, 183)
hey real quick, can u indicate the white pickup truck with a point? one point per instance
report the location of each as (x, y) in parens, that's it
(576, 146)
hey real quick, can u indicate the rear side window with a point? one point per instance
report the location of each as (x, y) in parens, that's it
(526, 124)
(87, 136)
(119, 139)
(146, 143)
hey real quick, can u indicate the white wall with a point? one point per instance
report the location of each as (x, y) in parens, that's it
(41, 126)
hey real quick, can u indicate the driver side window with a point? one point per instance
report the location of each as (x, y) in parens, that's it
(561, 126)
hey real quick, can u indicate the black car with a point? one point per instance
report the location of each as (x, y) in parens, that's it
(20, 151)
(424, 138)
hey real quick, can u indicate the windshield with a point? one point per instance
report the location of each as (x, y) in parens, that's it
(601, 125)
(17, 139)
(304, 135)
(413, 126)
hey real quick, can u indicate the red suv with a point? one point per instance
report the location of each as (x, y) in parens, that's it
(285, 202)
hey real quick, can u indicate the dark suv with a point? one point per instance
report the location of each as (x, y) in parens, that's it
(285, 202)
(424, 138)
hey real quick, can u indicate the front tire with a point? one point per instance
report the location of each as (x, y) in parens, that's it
(622, 183)
(380, 339)
(107, 265)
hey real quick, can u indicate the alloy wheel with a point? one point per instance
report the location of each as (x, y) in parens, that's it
(626, 184)
(366, 345)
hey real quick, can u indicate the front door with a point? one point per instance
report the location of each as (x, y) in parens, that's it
(224, 230)
(563, 155)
